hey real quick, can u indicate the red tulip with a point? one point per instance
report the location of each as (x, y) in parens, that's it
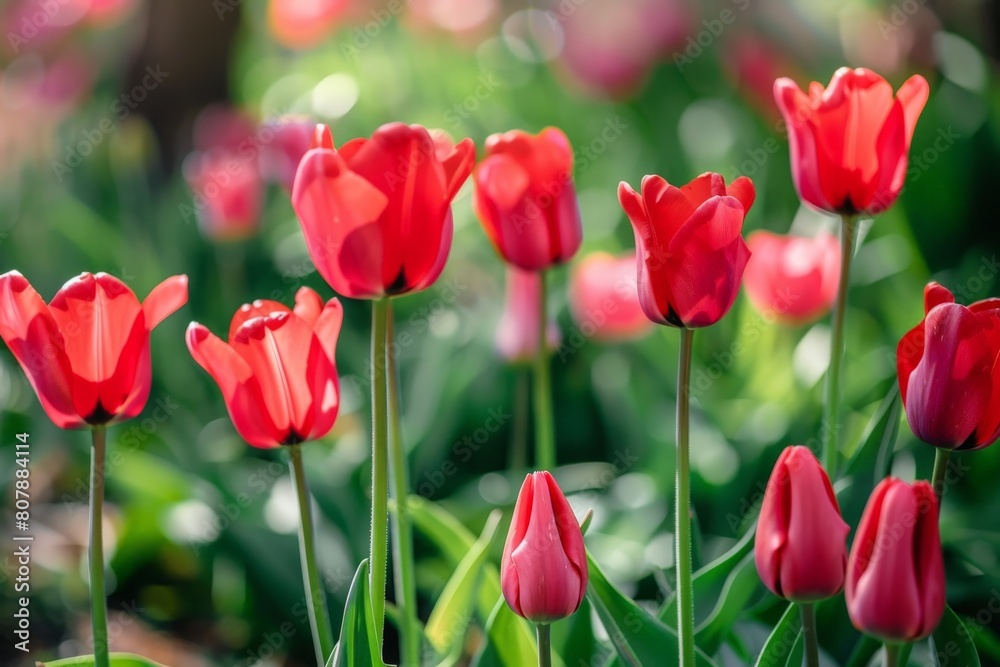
(895, 575)
(525, 198)
(794, 278)
(543, 573)
(517, 332)
(86, 354)
(604, 297)
(949, 372)
(228, 194)
(691, 253)
(278, 372)
(376, 213)
(281, 154)
(801, 544)
(850, 142)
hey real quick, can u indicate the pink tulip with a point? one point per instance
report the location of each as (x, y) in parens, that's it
(793, 277)
(604, 297)
(517, 332)
(543, 573)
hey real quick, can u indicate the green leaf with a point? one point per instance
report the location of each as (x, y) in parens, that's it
(742, 584)
(117, 660)
(784, 646)
(953, 641)
(450, 617)
(498, 650)
(878, 440)
(454, 541)
(358, 645)
(638, 637)
(863, 653)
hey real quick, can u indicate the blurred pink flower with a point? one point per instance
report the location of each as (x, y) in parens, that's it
(227, 192)
(604, 297)
(517, 332)
(303, 24)
(284, 141)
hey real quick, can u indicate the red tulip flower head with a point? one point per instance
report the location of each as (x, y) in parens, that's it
(604, 298)
(850, 142)
(517, 332)
(895, 575)
(801, 544)
(544, 569)
(376, 213)
(949, 372)
(526, 200)
(86, 354)
(793, 278)
(691, 253)
(277, 373)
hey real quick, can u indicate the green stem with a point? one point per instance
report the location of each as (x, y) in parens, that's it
(685, 597)
(808, 613)
(941, 457)
(891, 656)
(402, 525)
(545, 439)
(319, 617)
(522, 408)
(544, 645)
(380, 482)
(98, 603)
(831, 417)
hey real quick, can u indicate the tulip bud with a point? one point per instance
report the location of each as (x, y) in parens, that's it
(544, 568)
(800, 548)
(895, 575)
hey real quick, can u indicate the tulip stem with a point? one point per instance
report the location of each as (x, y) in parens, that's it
(319, 618)
(402, 525)
(544, 645)
(522, 408)
(98, 603)
(941, 458)
(891, 656)
(830, 428)
(545, 439)
(682, 519)
(380, 482)
(808, 613)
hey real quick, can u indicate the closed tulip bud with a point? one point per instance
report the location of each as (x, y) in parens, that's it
(895, 575)
(526, 200)
(850, 142)
(690, 247)
(793, 278)
(949, 377)
(544, 569)
(801, 544)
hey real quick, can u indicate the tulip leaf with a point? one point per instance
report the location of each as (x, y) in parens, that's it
(638, 637)
(710, 577)
(953, 641)
(877, 443)
(358, 645)
(454, 541)
(498, 650)
(450, 617)
(784, 646)
(742, 584)
(863, 653)
(117, 660)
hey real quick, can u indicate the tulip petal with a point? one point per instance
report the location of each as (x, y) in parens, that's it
(458, 166)
(705, 186)
(771, 537)
(652, 243)
(912, 95)
(911, 346)
(928, 561)
(743, 190)
(164, 300)
(27, 326)
(308, 305)
(509, 580)
(240, 390)
(796, 108)
(249, 311)
(327, 327)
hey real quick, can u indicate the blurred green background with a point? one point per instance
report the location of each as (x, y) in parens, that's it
(203, 558)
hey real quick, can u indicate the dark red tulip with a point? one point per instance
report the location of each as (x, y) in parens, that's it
(543, 573)
(949, 372)
(517, 331)
(526, 200)
(793, 278)
(604, 298)
(801, 544)
(86, 354)
(895, 574)
(850, 142)
(376, 213)
(691, 254)
(288, 140)
(278, 372)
